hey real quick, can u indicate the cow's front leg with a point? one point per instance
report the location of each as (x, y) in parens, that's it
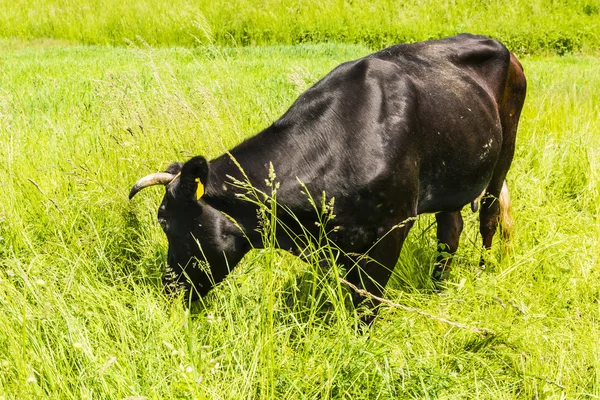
(372, 272)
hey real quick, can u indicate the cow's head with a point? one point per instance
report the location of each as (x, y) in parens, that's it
(203, 243)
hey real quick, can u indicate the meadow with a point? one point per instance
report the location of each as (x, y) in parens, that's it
(533, 26)
(82, 313)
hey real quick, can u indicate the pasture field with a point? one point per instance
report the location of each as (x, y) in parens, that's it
(82, 314)
(554, 26)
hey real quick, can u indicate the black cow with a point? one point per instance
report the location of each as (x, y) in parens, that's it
(414, 128)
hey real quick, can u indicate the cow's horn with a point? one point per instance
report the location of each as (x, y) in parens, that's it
(159, 178)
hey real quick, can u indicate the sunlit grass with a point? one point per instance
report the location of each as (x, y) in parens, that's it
(526, 26)
(82, 314)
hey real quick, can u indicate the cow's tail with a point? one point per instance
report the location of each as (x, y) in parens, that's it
(506, 222)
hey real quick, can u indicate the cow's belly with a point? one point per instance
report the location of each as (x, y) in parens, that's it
(455, 179)
(449, 199)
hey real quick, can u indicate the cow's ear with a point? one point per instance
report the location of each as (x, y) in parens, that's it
(194, 174)
(174, 168)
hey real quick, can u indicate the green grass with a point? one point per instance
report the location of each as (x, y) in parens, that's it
(562, 26)
(82, 314)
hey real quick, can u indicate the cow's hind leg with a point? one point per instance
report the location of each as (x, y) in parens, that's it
(511, 104)
(449, 228)
(495, 210)
(489, 218)
(372, 272)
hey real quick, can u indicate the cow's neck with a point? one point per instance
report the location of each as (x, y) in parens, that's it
(228, 197)
(225, 198)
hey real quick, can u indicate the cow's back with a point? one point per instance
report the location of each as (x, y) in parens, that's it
(413, 121)
(483, 59)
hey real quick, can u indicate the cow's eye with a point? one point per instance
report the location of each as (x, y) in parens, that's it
(162, 214)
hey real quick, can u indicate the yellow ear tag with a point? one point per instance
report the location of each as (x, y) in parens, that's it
(200, 189)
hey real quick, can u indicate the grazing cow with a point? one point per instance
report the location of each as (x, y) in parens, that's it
(414, 128)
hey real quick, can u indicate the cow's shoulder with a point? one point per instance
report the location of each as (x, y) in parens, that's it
(358, 72)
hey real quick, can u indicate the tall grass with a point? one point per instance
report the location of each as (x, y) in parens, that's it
(525, 26)
(82, 314)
